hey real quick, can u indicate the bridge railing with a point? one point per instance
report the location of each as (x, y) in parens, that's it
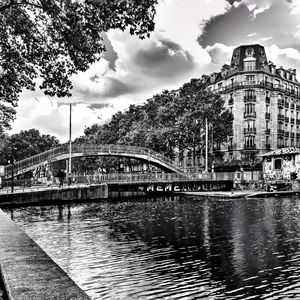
(89, 149)
(122, 178)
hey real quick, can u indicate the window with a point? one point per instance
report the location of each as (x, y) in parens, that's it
(267, 109)
(286, 113)
(249, 65)
(250, 79)
(280, 125)
(267, 139)
(250, 124)
(267, 124)
(250, 94)
(250, 108)
(249, 141)
(277, 164)
(292, 143)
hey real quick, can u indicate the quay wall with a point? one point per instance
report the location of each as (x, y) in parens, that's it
(91, 192)
(28, 272)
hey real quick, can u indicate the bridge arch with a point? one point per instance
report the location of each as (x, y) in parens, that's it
(62, 153)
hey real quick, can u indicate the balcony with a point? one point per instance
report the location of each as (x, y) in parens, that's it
(230, 102)
(280, 102)
(249, 98)
(286, 119)
(292, 135)
(258, 84)
(292, 106)
(280, 117)
(267, 131)
(268, 101)
(268, 146)
(286, 104)
(250, 147)
(292, 120)
(249, 115)
(250, 130)
(268, 115)
(286, 134)
(280, 132)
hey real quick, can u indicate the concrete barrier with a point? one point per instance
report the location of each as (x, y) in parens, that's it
(92, 192)
(28, 272)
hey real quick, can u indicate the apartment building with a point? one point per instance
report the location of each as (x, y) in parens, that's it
(264, 100)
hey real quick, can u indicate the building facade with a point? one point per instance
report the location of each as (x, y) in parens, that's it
(264, 100)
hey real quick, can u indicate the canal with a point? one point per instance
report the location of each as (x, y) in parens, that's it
(179, 247)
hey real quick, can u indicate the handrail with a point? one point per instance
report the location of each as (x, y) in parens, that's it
(110, 149)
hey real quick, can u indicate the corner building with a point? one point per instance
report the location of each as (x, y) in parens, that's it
(264, 100)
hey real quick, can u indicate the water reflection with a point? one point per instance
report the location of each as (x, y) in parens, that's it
(174, 247)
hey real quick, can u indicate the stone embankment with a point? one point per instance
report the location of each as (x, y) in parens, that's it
(55, 195)
(28, 272)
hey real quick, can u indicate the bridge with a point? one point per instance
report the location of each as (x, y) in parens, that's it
(62, 153)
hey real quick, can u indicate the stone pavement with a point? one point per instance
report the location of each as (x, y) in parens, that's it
(28, 272)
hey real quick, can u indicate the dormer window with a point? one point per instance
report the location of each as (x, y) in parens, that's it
(249, 65)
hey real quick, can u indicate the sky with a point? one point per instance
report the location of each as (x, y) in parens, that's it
(191, 38)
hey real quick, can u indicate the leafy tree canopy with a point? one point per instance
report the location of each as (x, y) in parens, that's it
(55, 39)
(25, 144)
(171, 123)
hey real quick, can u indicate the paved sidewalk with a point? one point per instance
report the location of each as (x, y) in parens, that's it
(28, 272)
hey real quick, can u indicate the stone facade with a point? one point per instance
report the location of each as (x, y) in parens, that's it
(264, 100)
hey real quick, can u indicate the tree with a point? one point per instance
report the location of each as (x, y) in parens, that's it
(25, 144)
(172, 122)
(53, 40)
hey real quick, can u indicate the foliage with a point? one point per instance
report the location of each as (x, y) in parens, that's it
(25, 144)
(55, 39)
(171, 123)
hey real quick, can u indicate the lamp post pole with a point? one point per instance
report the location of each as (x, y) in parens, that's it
(206, 145)
(70, 140)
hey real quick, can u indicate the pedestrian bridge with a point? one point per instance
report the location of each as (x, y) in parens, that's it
(62, 153)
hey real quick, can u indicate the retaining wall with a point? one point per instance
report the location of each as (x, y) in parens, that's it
(28, 272)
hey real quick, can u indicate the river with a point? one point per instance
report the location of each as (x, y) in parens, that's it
(180, 247)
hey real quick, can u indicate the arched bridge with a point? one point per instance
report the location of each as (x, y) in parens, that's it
(62, 153)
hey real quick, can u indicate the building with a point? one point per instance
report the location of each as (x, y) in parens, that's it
(281, 164)
(264, 100)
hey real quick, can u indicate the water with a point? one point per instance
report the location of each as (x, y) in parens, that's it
(174, 248)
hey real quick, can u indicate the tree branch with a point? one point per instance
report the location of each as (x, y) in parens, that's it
(8, 5)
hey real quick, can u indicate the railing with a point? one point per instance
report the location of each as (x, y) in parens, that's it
(280, 117)
(286, 104)
(51, 155)
(250, 147)
(249, 115)
(250, 130)
(114, 178)
(258, 84)
(280, 102)
(280, 131)
(268, 100)
(292, 105)
(249, 98)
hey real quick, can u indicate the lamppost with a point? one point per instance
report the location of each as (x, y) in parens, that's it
(12, 163)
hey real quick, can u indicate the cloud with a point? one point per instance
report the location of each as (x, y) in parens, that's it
(235, 26)
(220, 53)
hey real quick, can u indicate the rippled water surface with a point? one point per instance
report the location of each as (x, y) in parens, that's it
(174, 248)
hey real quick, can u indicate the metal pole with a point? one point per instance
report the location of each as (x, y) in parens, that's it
(70, 140)
(206, 145)
(12, 174)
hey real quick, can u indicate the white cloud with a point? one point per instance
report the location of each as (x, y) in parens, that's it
(295, 7)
